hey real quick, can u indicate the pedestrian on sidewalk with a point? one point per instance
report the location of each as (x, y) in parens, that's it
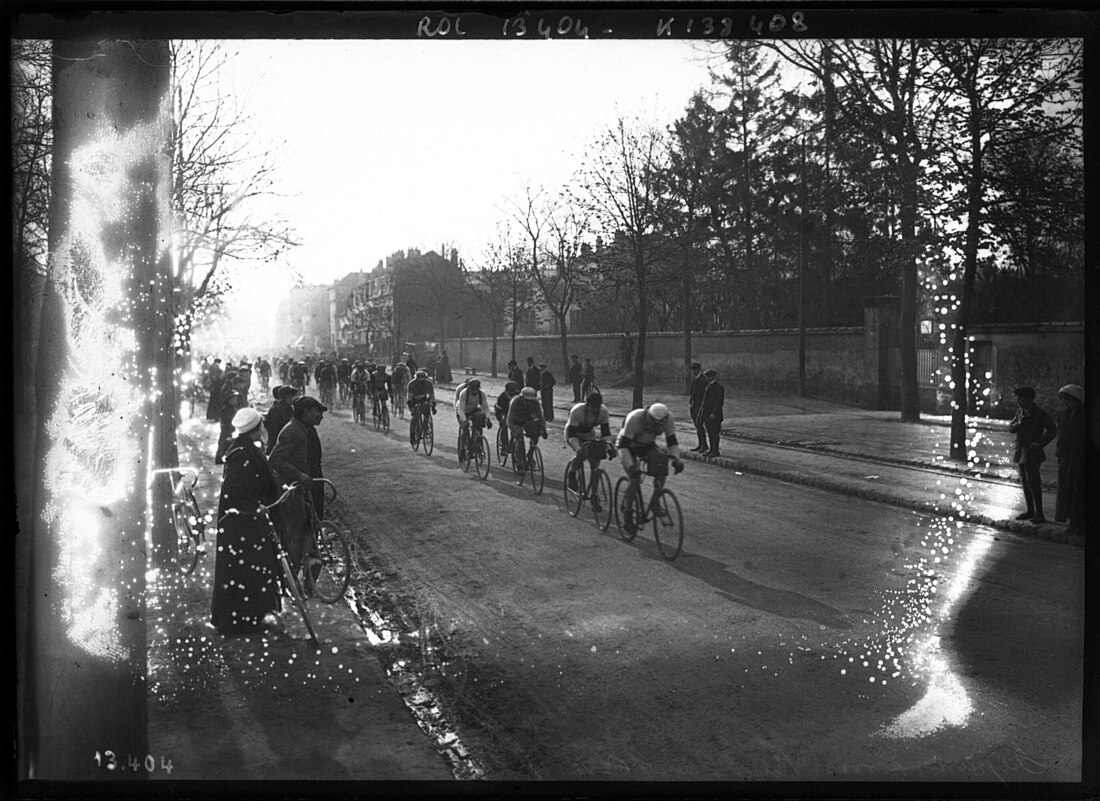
(1034, 429)
(710, 410)
(589, 385)
(546, 385)
(695, 395)
(246, 584)
(228, 404)
(532, 378)
(1069, 505)
(217, 379)
(576, 375)
(279, 414)
(515, 374)
(297, 457)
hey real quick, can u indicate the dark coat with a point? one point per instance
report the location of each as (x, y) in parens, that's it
(1069, 501)
(698, 386)
(244, 593)
(714, 397)
(533, 377)
(1036, 428)
(575, 373)
(516, 374)
(277, 416)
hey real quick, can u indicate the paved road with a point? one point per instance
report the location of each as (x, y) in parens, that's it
(803, 635)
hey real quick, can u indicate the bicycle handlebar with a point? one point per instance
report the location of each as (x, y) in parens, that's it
(183, 471)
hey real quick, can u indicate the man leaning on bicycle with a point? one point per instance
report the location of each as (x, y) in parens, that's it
(589, 424)
(637, 443)
(525, 416)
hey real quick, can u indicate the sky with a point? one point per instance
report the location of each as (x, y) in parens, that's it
(391, 144)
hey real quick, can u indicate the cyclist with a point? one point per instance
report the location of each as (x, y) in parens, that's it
(471, 403)
(380, 385)
(525, 415)
(399, 378)
(326, 380)
(581, 428)
(500, 408)
(358, 381)
(343, 377)
(421, 390)
(637, 441)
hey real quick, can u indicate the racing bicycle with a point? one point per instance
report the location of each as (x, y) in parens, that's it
(595, 489)
(380, 411)
(529, 462)
(421, 428)
(473, 447)
(663, 509)
(330, 579)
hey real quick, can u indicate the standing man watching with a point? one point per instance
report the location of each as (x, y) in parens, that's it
(297, 457)
(698, 384)
(1034, 429)
(710, 410)
(279, 414)
(532, 379)
(546, 384)
(575, 377)
(514, 373)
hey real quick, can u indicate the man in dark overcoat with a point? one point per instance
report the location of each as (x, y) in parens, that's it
(515, 374)
(546, 387)
(710, 410)
(533, 378)
(698, 385)
(1034, 430)
(213, 406)
(279, 414)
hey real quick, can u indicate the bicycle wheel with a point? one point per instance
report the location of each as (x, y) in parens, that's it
(537, 474)
(429, 436)
(502, 445)
(626, 519)
(185, 518)
(414, 432)
(335, 553)
(574, 495)
(668, 524)
(296, 593)
(481, 458)
(375, 415)
(385, 419)
(600, 492)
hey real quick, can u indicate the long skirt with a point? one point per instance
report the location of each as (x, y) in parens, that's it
(246, 576)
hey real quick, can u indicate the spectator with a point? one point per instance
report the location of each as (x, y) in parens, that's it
(1069, 505)
(217, 377)
(533, 379)
(297, 457)
(710, 410)
(246, 583)
(1034, 429)
(279, 414)
(589, 385)
(445, 368)
(410, 362)
(431, 366)
(576, 376)
(228, 404)
(628, 352)
(546, 385)
(698, 385)
(514, 373)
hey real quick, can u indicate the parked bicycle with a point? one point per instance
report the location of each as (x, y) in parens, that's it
(595, 488)
(421, 428)
(663, 509)
(474, 448)
(328, 579)
(529, 462)
(187, 518)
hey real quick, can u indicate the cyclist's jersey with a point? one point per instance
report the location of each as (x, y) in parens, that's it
(379, 380)
(343, 372)
(327, 375)
(359, 379)
(400, 375)
(638, 431)
(421, 389)
(458, 392)
(524, 410)
(504, 400)
(582, 423)
(467, 405)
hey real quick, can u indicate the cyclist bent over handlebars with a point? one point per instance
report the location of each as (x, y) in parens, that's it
(637, 442)
(525, 416)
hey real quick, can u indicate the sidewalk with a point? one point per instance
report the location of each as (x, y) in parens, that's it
(270, 706)
(866, 454)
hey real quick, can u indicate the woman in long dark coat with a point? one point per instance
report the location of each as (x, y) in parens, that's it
(246, 578)
(1070, 501)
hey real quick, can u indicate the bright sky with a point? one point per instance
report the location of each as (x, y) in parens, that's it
(392, 144)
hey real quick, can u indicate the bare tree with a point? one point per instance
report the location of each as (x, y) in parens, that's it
(218, 171)
(622, 191)
(1000, 92)
(492, 285)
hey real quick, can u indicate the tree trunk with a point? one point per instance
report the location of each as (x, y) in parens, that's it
(907, 336)
(643, 323)
(687, 328)
(960, 346)
(85, 705)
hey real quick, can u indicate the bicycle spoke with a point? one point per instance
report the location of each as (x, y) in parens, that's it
(601, 498)
(668, 524)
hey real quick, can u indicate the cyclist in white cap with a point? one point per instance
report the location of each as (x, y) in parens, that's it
(637, 441)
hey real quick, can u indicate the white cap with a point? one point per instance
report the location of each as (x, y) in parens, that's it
(245, 420)
(658, 411)
(1073, 391)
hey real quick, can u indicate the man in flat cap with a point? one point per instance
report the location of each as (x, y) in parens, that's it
(695, 395)
(297, 457)
(710, 410)
(1034, 429)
